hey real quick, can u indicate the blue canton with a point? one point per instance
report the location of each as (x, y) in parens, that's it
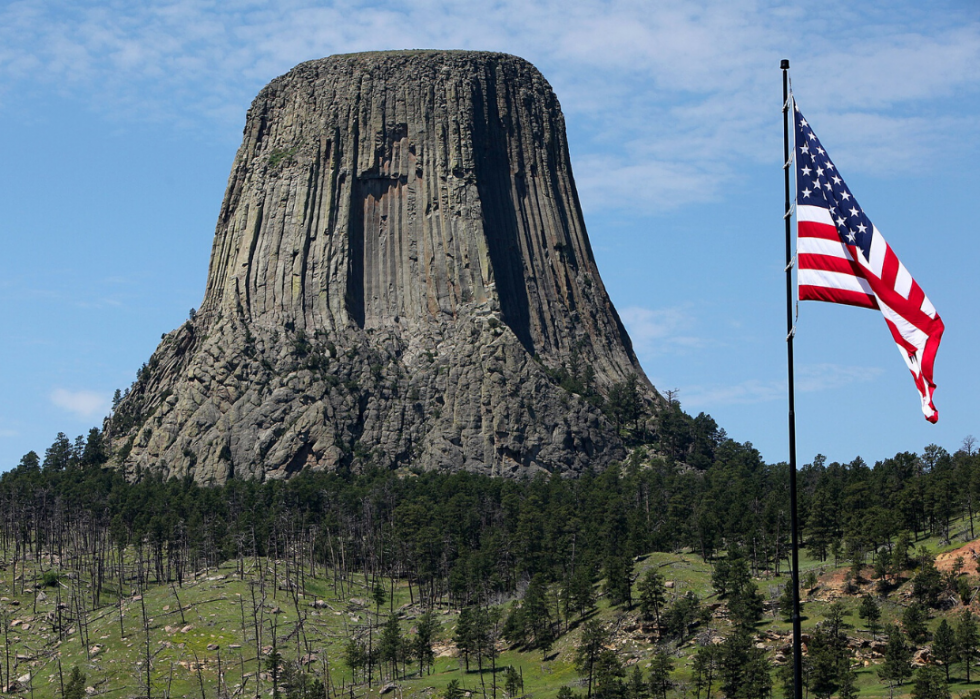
(819, 184)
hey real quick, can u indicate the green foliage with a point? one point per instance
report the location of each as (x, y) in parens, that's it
(391, 644)
(745, 606)
(927, 583)
(704, 669)
(282, 156)
(530, 623)
(513, 682)
(661, 666)
(50, 578)
(425, 632)
(619, 580)
(870, 611)
(636, 685)
(828, 661)
(944, 645)
(785, 601)
(591, 643)
(75, 686)
(929, 683)
(897, 666)
(582, 596)
(744, 670)
(914, 623)
(472, 540)
(609, 676)
(967, 640)
(453, 691)
(682, 614)
(653, 595)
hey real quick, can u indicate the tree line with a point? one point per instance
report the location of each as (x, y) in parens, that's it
(471, 542)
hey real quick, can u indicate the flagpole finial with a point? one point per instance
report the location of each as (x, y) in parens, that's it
(784, 64)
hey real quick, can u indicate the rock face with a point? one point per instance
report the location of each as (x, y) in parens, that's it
(399, 273)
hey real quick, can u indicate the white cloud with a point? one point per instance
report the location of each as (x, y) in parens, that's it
(809, 378)
(83, 404)
(746, 392)
(822, 377)
(654, 331)
(676, 95)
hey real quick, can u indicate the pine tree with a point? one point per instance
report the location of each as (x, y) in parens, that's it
(582, 591)
(966, 640)
(705, 669)
(463, 637)
(537, 618)
(391, 644)
(847, 684)
(898, 659)
(513, 683)
(75, 687)
(660, 668)
(944, 645)
(745, 605)
(653, 595)
(591, 643)
(453, 691)
(786, 601)
(636, 687)
(618, 572)
(870, 612)
(914, 623)
(355, 656)
(422, 643)
(930, 684)
(609, 675)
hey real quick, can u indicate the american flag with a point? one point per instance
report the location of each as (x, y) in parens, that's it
(843, 258)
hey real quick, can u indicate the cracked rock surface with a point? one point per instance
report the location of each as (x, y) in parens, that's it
(400, 267)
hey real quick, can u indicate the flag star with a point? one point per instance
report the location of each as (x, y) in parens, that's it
(850, 236)
(854, 212)
(827, 186)
(845, 196)
(840, 221)
(830, 165)
(806, 171)
(805, 149)
(807, 193)
(833, 210)
(816, 184)
(820, 150)
(819, 172)
(836, 179)
(802, 121)
(862, 228)
(813, 136)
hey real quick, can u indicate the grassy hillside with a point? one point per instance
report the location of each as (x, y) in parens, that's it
(213, 635)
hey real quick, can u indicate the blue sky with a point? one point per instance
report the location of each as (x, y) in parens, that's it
(120, 122)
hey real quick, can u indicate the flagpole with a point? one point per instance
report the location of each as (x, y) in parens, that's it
(790, 331)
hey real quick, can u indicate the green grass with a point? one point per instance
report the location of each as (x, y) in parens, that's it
(187, 650)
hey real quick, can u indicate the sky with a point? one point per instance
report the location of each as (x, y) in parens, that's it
(119, 122)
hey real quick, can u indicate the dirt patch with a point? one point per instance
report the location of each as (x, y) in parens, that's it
(970, 552)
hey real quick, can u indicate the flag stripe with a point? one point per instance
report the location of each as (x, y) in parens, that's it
(823, 248)
(834, 280)
(842, 296)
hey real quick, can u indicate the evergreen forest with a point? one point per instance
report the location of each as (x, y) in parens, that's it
(662, 576)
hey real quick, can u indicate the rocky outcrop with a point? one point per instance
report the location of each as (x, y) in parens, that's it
(400, 275)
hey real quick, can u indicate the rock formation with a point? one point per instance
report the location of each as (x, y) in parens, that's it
(400, 275)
